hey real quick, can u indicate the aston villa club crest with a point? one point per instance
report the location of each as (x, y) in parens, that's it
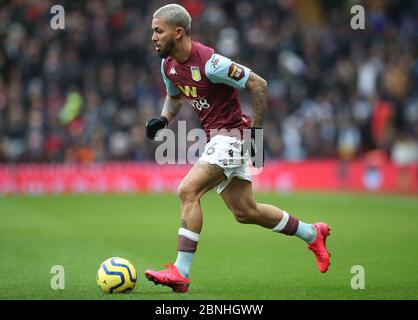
(196, 73)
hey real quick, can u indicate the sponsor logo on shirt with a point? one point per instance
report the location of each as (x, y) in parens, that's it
(195, 73)
(236, 72)
(199, 103)
(172, 71)
(193, 98)
(188, 91)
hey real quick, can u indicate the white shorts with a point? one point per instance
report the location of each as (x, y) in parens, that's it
(225, 151)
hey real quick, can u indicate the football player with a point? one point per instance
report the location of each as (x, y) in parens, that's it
(209, 82)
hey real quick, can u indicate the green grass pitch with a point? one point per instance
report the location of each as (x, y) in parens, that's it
(233, 261)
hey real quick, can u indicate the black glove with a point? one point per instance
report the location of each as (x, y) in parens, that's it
(153, 125)
(255, 146)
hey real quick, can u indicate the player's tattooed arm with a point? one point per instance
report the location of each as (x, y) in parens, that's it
(258, 88)
(171, 107)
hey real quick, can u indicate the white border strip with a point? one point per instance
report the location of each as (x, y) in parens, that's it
(282, 222)
(189, 234)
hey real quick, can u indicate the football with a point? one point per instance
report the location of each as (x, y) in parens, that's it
(116, 275)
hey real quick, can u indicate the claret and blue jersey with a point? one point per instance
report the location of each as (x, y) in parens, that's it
(209, 81)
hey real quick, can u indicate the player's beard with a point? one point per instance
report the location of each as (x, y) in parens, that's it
(167, 49)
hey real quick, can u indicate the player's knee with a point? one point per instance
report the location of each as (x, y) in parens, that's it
(241, 217)
(187, 193)
(244, 215)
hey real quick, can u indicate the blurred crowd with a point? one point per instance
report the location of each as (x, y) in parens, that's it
(83, 94)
